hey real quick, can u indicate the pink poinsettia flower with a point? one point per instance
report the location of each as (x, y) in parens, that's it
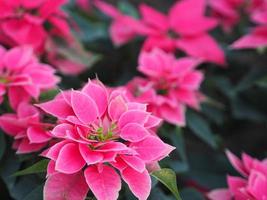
(227, 12)
(257, 37)
(25, 126)
(27, 22)
(22, 77)
(101, 131)
(184, 28)
(252, 184)
(170, 86)
(123, 28)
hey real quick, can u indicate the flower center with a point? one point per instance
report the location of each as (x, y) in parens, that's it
(172, 34)
(3, 80)
(102, 134)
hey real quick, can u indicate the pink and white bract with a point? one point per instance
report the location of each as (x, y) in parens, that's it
(22, 77)
(252, 184)
(170, 86)
(99, 132)
(29, 133)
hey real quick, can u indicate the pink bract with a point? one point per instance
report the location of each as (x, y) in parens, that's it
(227, 12)
(185, 28)
(22, 77)
(252, 184)
(101, 131)
(29, 133)
(257, 37)
(170, 86)
(25, 22)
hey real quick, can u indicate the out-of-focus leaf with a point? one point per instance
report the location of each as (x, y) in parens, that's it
(35, 194)
(157, 194)
(38, 167)
(89, 31)
(177, 139)
(128, 8)
(243, 110)
(201, 128)
(262, 82)
(9, 165)
(2, 144)
(168, 178)
(24, 186)
(191, 194)
(49, 95)
(213, 113)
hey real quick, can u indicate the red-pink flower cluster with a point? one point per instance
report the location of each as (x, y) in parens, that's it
(184, 28)
(22, 76)
(32, 23)
(27, 129)
(170, 86)
(100, 132)
(252, 185)
(257, 37)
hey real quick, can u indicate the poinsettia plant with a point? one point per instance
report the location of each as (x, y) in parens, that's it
(130, 100)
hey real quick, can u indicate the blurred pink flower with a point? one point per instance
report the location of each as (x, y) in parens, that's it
(227, 12)
(123, 28)
(170, 86)
(252, 185)
(102, 131)
(184, 28)
(257, 37)
(22, 76)
(29, 133)
(27, 22)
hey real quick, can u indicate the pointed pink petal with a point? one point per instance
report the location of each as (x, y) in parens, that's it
(116, 108)
(154, 18)
(235, 183)
(105, 185)
(139, 183)
(113, 146)
(24, 146)
(98, 93)
(220, 194)
(133, 132)
(37, 135)
(52, 152)
(134, 162)
(9, 124)
(16, 95)
(187, 14)
(58, 108)
(236, 162)
(256, 39)
(18, 57)
(61, 130)
(84, 107)
(203, 47)
(51, 168)
(173, 115)
(69, 159)
(133, 116)
(90, 156)
(150, 149)
(60, 186)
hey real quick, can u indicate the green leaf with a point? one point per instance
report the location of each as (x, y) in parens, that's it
(48, 95)
(38, 167)
(191, 193)
(168, 178)
(2, 144)
(201, 128)
(128, 9)
(36, 193)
